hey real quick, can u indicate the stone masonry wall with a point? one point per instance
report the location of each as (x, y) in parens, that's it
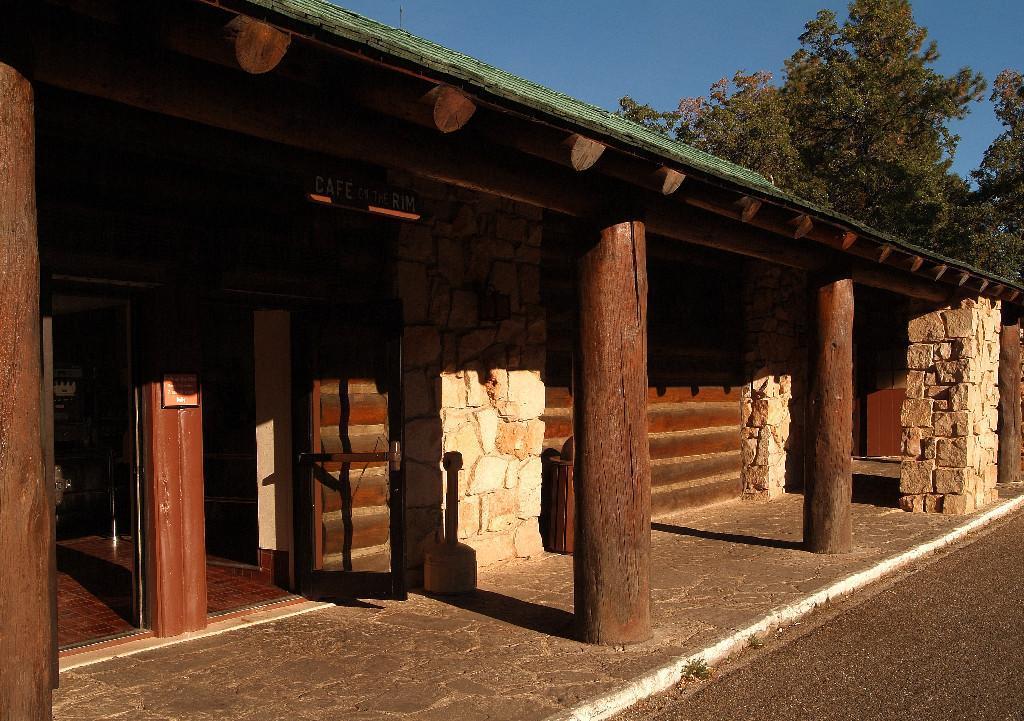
(774, 299)
(471, 385)
(949, 418)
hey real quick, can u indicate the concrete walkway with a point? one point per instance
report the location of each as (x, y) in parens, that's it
(503, 654)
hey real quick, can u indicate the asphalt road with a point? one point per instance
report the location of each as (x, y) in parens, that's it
(942, 641)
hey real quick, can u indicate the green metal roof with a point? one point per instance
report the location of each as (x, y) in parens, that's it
(326, 19)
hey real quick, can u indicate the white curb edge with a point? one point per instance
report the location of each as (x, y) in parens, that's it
(663, 678)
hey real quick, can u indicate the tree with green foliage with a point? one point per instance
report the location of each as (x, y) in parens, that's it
(988, 226)
(871, 117)
(745, 121)
(861, 124)
(1001, 175)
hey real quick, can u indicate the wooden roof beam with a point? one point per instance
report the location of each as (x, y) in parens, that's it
(258, 47)
(450, 108)
(668, 179)
(940, 270)
(582, 151)
(302, 116)
(884, 253)
(849, 239)
(916, 263)
(804, 224)
(748, 208)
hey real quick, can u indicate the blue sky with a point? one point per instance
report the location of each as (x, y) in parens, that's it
(661, 50)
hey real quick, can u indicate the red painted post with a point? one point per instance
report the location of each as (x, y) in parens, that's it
(175, 530)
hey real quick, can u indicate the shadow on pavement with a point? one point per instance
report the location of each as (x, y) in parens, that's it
(508, 609)
(726, 537)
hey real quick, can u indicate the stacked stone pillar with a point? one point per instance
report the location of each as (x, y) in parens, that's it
(950, 415)
(774, 304)
(468, 275)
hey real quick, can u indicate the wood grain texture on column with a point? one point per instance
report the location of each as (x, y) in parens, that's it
(173, 447)
(26, 504)
(828, 486)
(1009, 397)
(612, 461)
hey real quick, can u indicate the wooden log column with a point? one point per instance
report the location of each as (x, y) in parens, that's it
(26, 504)
(828, 475)
(175, 532)
(612, 461)
(1009, 396)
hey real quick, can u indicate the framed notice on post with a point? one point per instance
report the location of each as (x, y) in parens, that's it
(180, 390)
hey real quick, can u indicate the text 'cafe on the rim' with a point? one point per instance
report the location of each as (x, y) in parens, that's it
(309, 257)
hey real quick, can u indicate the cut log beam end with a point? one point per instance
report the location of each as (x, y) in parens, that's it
(804, 224)
(583, 152)
(452, 108)
(259, 47)
(668, 180)
(748, 208)
(848, 240)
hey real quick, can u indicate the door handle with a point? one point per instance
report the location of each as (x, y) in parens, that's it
(393, 457)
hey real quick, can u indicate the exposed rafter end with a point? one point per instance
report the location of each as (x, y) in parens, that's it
(451, 107)
(916, 264)
(940, 270)
(1014, 294)
(803, 224)
(984, 285)
(964, 275)
(848, 240)
(885, 253)
(668, 180)
(259, 47)
(748, 208)
(583, 152)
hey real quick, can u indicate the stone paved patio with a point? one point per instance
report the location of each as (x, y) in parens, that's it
(504, 654)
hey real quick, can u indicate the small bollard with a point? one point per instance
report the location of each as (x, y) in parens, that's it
(450, 567)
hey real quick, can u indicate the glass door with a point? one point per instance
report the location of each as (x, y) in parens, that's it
(349, 480)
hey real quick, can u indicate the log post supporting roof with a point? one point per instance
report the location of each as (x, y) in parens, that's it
(1009, 380)
(828, 476)
(612, 556)
(27, 558)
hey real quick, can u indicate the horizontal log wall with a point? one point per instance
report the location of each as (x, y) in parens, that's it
(695, 367)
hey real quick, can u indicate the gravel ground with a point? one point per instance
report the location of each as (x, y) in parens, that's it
(942, 641)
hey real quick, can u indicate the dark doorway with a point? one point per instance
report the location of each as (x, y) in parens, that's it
(234, 576)
(93, 436)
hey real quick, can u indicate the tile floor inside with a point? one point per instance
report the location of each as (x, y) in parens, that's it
(94, 589)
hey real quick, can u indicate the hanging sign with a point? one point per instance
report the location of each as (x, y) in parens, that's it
(180, 390)
(371, 197)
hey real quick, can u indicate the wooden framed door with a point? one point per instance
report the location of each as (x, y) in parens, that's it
(350, 503)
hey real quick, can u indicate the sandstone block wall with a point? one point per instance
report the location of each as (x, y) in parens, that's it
(775, 307)
(949, 418)
(472, 385)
